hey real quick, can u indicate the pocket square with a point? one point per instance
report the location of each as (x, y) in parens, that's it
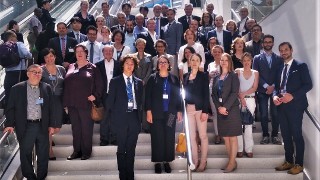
(294, 71)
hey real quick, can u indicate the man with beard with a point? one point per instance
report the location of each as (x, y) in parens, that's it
(254, 46)
(129, 36)
(267, 64)
(121, 16)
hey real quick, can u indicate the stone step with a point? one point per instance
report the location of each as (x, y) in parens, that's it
(238, 174)
(144, 162)
(63, 151)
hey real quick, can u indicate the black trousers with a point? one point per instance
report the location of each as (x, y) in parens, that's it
(34, 135)
(82, 130)
(12, 78)
(107, 127)
(290, 119)
(127, 138)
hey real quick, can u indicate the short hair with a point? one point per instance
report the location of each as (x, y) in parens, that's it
(45, 2)
(117, 31)
(208, 43)
(196, 54)
(188, 4)
(11, 24)
(8, 34)
(233, 46)
(125, 4)
(91, 27)
(121, 13)
(268, 36)
(125, 58)
(84, 1)
(191, 49)
(194, 34)
(47, 51)
(217, 47)
(32, 66)
(230, 63)
(246, 54)
(106, 27)
(156, 5)
(110, 46)
(100, 16)
(62, 23)
(83, 47)
(173, 10)
(104, 3)
(235, 24)
(75, 19)
(256, 25)
(140, 40)
(285, 43)
(164, 43)
(139, 15)
(145, 8)
(166, 58)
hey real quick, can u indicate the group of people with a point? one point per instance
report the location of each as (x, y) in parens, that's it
(135, 67)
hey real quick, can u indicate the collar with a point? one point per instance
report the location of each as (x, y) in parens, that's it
(267, 54)
(125, 77)
(289, 62)
(32, 86)
(106, 61)
(65, 37)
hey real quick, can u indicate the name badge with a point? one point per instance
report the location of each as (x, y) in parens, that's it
(220, 100)
(130, 105)
(76, 71)
(165, 96)
(71, 50)
(39, 101)
(52, 78)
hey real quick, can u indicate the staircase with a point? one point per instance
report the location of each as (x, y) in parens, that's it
(103, 163)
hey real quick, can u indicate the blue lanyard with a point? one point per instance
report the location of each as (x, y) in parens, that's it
(165, 85)
(220, 84)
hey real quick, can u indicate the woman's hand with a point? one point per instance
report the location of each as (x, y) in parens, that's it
(149, 116)
(204, 117)
(241, 95)
(243, 102)
(91, 98)
(223, 111)
(179, 116)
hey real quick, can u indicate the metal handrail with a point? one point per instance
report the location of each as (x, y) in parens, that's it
(190, 162)
(313, 119)
(235, 14)
(4, 136)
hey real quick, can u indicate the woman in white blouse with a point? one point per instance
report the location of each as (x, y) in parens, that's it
(118, 37)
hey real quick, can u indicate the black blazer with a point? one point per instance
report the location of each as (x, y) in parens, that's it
(54, 43)
(82, 37)
(163, 21)
(185, 25)
(266, 74)
(154, 94)
(85, 22)
(16, 111)
(117, 101)
(149, 43)
(116, 72)
(298, 84)
(201, 90)
(227, 39)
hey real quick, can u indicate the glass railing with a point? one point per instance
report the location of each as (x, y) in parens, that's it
(151, 3)
(258, 9)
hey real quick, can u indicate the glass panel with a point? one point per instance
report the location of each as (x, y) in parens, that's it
(258, 9)
(151, 3)
(7, 148)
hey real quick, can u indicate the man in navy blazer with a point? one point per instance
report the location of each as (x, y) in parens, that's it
(292, 84)
(75, 32)
(150, 36)
(125, 103)
(224, 37)
(109, 68)
(267, 63)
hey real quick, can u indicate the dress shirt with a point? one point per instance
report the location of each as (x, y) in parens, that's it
(109, 65)
(137, 30)
(77, 35)
(269, 58)
(220, 36)
(97, 54)
(198, 48)
(153, 36)
(242, 26)
(23, 53)
(133, 93)
(33, 109)
(130, 42)
(288, 68)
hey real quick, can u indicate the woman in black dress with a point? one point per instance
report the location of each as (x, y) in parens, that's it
(163, 106)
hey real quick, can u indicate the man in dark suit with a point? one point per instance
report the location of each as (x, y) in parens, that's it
(111, 20)
(292, 84)
(30, 111)
(46, 17)
(243, 12)
(224, 37)
(160, 21)
(75, 32)
(109, 68)
(186, 20)
(121, 20)
(63, 46)
(125, 103)
(150, 37)
(254, 46)
(126, 8)
(267, 63)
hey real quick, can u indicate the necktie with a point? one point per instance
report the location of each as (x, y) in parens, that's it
(63, 47)
(157, 26)
(78, 38)
(108, 21)
(91, 52)
(129, 90)
(121, 28)
(189, 20)
(284, 77)
(169, 25)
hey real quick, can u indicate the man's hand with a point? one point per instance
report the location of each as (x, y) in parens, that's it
(8, 129)
(149, 116)
(270, 89)
(286, 97)
(276, 100)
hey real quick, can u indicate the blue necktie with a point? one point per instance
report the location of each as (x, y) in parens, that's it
(129, 90)
(284, 77)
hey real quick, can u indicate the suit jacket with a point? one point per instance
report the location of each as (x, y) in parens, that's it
(163, 22)
(185, 25)
(82, 37)
(172, 35)
(131, 17)
(113, 20)
(250, 48)
(266, 75)
(227, 39)
(149, 45)
(85, 22)
(16, 111)
(200, 90)
(298, 84)
(117, 101)
(117, 26)
(154, 96)
(116, 72)
(46, 17)
(54, 43)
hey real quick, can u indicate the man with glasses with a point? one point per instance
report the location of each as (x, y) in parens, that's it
(254, 47)
(94, 47)
(30, 111)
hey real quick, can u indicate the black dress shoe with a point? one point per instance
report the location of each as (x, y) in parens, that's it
(157, 168)
(104, 143)
(84, 157)
(74, 155)
(52, 158)
(167, 167)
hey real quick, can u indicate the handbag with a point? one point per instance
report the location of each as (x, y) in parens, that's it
(182, 143)
(246, 116)
(97, 113)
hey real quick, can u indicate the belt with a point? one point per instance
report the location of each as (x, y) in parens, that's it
(249, 96)
(33, 120)
(133, 110)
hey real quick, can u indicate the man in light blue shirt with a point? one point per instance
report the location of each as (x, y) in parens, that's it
(130, 39)
(139, 25)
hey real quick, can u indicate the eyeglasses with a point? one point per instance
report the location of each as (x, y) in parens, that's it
(163, 63)
(36, 72)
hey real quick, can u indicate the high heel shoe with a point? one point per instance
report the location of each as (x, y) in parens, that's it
(202, 167)
(231, 170)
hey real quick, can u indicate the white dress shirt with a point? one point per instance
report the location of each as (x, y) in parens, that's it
(109, 65)
(287, 73)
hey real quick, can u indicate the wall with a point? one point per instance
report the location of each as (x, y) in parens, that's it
(297, 21)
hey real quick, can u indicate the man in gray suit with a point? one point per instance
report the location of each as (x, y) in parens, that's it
(111, 20)
(172, 35)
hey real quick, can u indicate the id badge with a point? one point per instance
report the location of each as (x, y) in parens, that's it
(71, 50)
(39, 101)
(165, 96)
(52, 78)
(76, 71)
(220, 100)
(130, 105)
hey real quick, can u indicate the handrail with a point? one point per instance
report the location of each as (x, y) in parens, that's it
(313, 119)
(191, 165)
(235, 14)
(5, 135)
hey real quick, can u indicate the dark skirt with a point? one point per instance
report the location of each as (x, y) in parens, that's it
(163, 139)
(230, 125)
(58, 108)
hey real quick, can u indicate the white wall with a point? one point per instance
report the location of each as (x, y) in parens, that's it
(297, 21)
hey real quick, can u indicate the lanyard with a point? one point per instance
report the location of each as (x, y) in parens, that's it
(165, 85)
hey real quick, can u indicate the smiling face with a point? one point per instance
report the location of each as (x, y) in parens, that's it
(50, 59)
(246, 61)
(285, 52)
(34, 75)
(216, 53)
(163, 64)
(80, 53)
(195, 62)
(140, 46)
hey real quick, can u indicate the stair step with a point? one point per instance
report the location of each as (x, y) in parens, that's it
(239, 174)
